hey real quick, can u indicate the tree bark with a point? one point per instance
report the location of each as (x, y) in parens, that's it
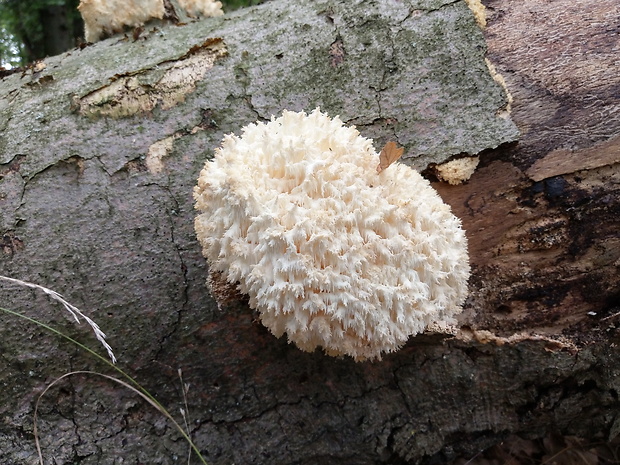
(99, 152)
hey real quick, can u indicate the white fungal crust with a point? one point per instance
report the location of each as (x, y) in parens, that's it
(328, 251)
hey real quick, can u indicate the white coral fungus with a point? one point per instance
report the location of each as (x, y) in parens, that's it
(206, 8)
(103, 17)
(107, 17)
(328, 251)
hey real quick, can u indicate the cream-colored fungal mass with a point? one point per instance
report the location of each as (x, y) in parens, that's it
(206, 8)
(457, 171)
(106, 17)
(329, 251)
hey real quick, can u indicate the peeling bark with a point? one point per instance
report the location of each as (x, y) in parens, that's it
(165, 85)
(98, 207)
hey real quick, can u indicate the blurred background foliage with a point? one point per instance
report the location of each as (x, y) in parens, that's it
(33, 29)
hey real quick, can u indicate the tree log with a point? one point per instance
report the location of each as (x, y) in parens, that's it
(100, 149)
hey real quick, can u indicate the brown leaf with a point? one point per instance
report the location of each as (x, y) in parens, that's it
(389, 154)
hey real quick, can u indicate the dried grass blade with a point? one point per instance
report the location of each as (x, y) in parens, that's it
(72, 309)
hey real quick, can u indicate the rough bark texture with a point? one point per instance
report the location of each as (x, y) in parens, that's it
(98, 155)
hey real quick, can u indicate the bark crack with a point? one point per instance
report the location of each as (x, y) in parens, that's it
(243, 77)
(171, 215)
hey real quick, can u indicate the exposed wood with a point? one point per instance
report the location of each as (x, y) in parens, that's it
(562, 161)
(543, 215)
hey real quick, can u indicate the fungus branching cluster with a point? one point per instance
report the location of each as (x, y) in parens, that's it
(329, 251)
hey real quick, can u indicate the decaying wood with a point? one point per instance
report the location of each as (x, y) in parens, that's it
(546, 210)
(97, 165)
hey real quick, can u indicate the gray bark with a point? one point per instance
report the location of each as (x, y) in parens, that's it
(98, 156)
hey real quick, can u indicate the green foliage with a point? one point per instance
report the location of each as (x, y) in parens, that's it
(10, 48)
(23, 28)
